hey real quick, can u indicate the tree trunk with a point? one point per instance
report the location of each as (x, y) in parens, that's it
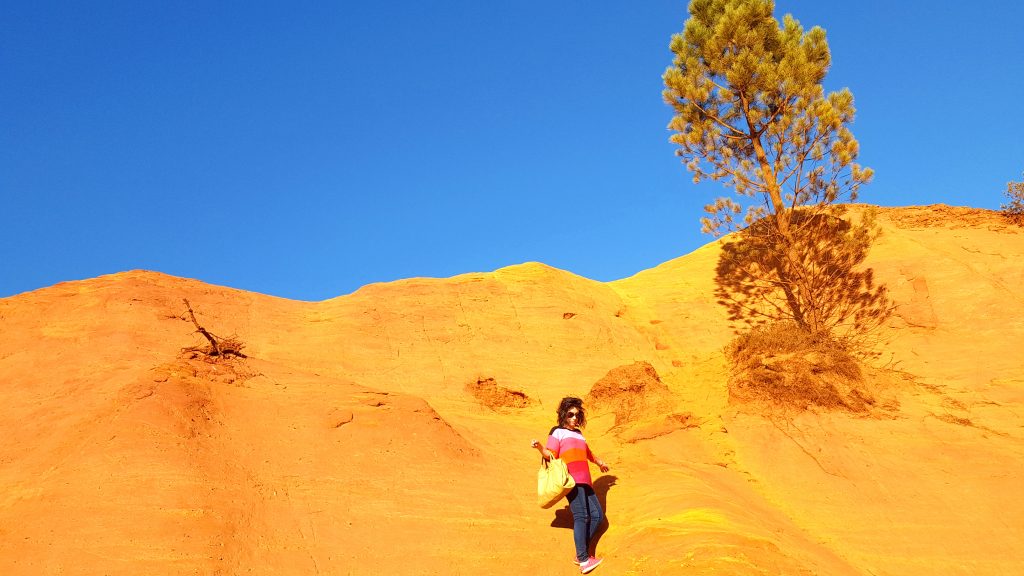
(787, 264)
(213, 341)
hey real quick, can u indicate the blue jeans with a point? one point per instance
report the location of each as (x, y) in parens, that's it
(586, 518)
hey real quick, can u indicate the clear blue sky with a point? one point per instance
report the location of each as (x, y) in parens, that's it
(304, 149)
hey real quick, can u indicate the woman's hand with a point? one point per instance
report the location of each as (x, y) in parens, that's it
(600, 464)
(544, 452)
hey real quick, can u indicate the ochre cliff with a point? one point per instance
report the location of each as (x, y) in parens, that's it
(387, 431)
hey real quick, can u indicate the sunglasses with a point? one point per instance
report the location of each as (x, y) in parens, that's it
(573, 415)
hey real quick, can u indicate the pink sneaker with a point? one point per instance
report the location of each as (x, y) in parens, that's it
(590, 564)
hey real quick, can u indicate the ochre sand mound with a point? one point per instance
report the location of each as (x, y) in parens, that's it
(387, 431)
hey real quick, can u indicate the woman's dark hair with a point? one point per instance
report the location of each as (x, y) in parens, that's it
(568, 403)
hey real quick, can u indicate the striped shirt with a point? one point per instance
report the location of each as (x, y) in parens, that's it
(571, 447)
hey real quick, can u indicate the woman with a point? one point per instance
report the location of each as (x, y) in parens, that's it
(565, 441)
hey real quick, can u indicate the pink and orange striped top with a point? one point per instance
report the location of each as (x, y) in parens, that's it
(571, 447)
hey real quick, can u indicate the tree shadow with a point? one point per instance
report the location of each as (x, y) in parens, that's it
(563, 516)
(815, 278)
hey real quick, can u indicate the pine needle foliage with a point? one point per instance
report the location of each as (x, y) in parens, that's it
(751, 112)
(1014, 207)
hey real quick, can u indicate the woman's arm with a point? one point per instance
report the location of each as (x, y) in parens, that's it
(544, 452)
(600, 463)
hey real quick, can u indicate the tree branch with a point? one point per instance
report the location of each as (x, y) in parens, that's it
(201, 330)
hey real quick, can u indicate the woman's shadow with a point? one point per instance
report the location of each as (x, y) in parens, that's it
(563, 516)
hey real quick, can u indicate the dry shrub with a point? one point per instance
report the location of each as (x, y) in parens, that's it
(218, 347)
(226, 347)
(1013, 210)
(783, 365)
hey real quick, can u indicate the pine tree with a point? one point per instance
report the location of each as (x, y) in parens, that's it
(750, 111)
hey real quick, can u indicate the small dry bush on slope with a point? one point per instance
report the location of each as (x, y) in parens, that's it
(1014, 209)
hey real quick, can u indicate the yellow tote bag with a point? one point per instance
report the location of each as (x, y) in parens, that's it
(553, 482)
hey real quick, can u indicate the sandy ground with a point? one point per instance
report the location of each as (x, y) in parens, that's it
(387, 431)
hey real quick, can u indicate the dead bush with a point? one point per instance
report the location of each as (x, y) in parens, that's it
(1014, 209)
(217, 347)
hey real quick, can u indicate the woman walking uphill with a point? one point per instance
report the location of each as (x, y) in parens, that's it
(566, 441)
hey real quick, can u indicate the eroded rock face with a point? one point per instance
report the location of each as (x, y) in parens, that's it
(633, 392)
(348, 443)
(490, 394)
(643, 406)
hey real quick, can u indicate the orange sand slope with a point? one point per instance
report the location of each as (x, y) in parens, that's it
(387, 431)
